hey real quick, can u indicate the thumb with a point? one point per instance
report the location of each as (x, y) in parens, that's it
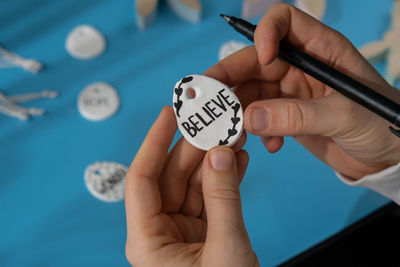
(326, 116)
(221, 195)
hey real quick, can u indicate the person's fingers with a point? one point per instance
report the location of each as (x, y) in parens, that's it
(236, 69)
(242, 159)
(272, 143)
(243, 66)
(242, 162)
(221, 196)
(193, 229)
(292, 117)
(181, 163)
(142, 195)
(254, 90)
(193, 204)
(285, 21)
(240, 142)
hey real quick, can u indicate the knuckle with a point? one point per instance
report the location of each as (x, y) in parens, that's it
(225, 192)
(296, 121)
(341, 37)
(145, 175)
(282, 13)
(349, 111)
(137, 170)
(348, 107)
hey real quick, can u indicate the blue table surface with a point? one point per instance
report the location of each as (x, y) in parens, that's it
(291, 200)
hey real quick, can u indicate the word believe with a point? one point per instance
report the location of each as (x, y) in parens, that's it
(210, 111)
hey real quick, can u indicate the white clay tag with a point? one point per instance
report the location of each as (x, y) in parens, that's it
(106, 180)
(98, 101)
(85, 42)
(212, 117)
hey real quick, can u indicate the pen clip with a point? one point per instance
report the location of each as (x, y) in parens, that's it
(394, 131)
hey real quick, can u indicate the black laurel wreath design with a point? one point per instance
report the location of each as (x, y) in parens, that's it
(235, 120)
(178, 91)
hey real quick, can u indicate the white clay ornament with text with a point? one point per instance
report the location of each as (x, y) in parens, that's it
(98, 101)
(106, 180)
(207, 111)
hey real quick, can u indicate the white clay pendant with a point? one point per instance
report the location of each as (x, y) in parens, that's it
(207, 111)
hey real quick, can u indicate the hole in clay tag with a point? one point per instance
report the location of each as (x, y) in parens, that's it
(190, 93)
(207, 111)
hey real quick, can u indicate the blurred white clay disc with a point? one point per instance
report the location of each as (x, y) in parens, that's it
(85, 42)
(229, 48)
(98, 101)
(106, 180)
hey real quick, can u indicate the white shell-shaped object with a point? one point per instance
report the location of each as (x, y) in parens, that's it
(207, 111)
(85, 42)
(106, 180)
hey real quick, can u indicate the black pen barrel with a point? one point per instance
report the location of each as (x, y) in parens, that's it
(328, 75)
(342, 83)
(243, 27)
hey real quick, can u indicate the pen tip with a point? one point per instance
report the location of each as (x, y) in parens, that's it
(225, 17)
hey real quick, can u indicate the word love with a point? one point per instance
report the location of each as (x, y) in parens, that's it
(212, 117)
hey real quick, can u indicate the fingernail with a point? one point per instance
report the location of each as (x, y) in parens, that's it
(264, 140)
(221, 159)
(259, 119)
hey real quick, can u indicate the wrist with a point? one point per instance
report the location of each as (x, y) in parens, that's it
(357, 170)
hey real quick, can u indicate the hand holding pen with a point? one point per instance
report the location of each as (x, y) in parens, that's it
(191, 215)
(284, 101)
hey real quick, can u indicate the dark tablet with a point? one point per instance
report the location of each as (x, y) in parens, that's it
(372, 241)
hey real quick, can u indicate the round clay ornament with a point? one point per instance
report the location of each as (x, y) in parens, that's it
(85, 42)
(98, 101)
(207, 111)
(106, 180)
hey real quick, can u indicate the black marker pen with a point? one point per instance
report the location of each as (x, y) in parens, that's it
(356, 91)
